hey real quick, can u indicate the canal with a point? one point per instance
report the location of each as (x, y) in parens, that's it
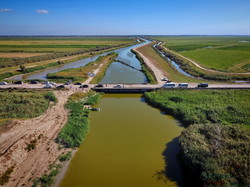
(130, 144)
(117, 72)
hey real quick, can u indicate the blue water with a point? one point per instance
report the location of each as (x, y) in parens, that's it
(124, 54)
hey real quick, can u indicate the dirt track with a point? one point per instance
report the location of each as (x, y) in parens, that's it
(29, 165)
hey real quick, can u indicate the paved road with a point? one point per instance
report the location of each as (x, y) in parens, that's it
(131, 86)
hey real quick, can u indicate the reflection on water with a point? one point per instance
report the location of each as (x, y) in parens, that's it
(119, 73)
(126, 147)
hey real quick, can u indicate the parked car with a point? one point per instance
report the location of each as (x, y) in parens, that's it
(52, 83)
(46, 82)
(117, 86)
(164, 79)
(168, 81)
(84, 86)
(169, 85)
(202, 85)
(183, 85)
(3, 83)
(78, 83)
(99, 86)
(34, 82)
(60, 86)
(18, 82)
(48, 86)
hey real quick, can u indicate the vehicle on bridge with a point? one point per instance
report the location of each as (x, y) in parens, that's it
(183, 85)
(117, 86)
(202, 85)
(3, 83)
(169, 85)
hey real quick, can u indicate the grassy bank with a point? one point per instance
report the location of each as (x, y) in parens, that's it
(98, 77)
(81, 73)
(215, 146)
(145, 69)
(193, 70)
(77, 127)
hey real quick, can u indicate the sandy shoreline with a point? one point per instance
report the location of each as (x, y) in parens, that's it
(64, 169)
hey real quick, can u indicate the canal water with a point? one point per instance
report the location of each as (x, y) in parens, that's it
(130, 144)
(124, 54)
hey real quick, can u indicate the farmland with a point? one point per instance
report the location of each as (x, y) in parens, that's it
(47, 51)
(57, 44)
(227, 54)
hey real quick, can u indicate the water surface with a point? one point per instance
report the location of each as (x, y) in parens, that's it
(124, 54)
(128, 145)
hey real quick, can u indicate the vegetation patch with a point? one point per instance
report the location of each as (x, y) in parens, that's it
(47, 180)
(219, 153)
(204, 106)
(24, 104)
(5, 177)
(216, 145)
(77, 127)
(65, 156)
(31, 145)
(145, 69)
(82, 73)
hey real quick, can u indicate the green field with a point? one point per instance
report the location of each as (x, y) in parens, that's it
(229, 54)
(216, 145)
(57, 44)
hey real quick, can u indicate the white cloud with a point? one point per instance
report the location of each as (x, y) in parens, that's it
(42, 11)
(6, 10)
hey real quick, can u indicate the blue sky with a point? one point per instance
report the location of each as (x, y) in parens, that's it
(124, 17)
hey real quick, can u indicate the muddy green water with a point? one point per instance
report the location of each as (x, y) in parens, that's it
(130, 144)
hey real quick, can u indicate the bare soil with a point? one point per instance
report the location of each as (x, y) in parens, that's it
(43, 130)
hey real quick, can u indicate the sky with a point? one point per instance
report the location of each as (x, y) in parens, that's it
(125, 17)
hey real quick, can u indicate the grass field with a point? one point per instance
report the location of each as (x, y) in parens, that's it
(57, 44)
(229, 54)
(216, 145)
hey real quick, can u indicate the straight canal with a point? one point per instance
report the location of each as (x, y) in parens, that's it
(130, 144)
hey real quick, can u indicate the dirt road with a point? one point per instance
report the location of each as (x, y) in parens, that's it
(40, 132)
(159, 74)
